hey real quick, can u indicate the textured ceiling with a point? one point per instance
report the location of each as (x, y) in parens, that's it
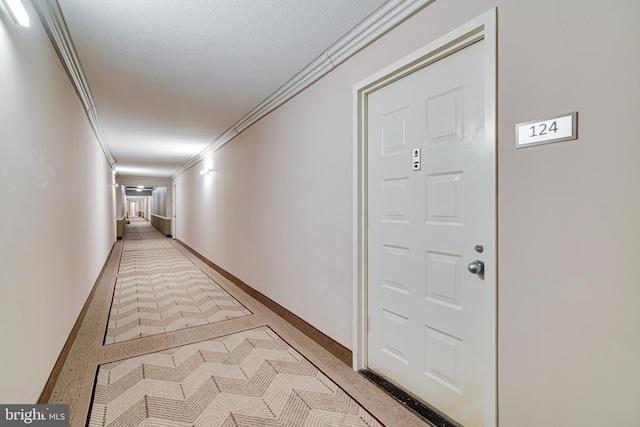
(168, 77)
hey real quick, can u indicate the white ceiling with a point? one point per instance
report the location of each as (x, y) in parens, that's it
(168, 77)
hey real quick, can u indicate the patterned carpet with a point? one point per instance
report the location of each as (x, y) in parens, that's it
(248, 379)
(147, 305)
(149, 260)
(149, 302)
(253, 370)
(141, 245)
(141, 229)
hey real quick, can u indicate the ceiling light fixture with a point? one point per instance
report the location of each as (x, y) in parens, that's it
(140, 186)
(137, 189)
(17, 12)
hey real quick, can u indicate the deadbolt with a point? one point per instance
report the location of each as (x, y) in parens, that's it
(479, 248)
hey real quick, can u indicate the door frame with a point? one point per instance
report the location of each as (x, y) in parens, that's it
(173, 212)
(482, 27)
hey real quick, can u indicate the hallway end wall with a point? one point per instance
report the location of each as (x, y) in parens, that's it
(164, 204)
(56, 219)
(277, 209)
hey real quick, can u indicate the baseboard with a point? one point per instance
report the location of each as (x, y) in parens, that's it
(62, 358)
(338, 350)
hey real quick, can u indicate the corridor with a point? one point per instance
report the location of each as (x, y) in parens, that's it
(364, 187)
(168, 339)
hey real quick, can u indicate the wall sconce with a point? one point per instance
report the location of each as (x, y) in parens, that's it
(206, 171)
(17, 12)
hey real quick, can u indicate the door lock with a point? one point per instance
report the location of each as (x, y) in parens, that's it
(416, 159)
(476, 267)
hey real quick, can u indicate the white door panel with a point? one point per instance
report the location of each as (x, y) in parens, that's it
(425, 308)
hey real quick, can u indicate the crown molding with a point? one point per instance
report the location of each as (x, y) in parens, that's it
(219, 142)
(56, 27)
(382, 21)
(297, 84)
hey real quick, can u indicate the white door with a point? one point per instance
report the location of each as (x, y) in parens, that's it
(426, 309)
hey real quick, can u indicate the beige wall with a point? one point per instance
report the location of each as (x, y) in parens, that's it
(121, 202)
(277, 211)
(569, 344)
(56, 215)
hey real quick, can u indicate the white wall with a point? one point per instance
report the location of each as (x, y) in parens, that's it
(159, 201)
(277, 210)
(121, 202)
(56, 217)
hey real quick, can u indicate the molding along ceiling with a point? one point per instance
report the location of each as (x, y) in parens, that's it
(162, 118)
(384, 20)
(53, 22)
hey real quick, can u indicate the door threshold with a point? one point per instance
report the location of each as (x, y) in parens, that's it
(424, 411)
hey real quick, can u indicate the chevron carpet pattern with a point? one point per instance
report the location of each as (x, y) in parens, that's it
(145, 305)
(145, 245)
(141, 229)
(247, 379)
(133, 234)
(149, 260)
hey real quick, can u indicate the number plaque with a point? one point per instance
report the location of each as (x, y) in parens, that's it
(546, 131)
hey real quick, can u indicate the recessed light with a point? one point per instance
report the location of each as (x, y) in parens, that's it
(138, 189)
(140, 186)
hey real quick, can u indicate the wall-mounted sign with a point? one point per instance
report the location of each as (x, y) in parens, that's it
(546, 131)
